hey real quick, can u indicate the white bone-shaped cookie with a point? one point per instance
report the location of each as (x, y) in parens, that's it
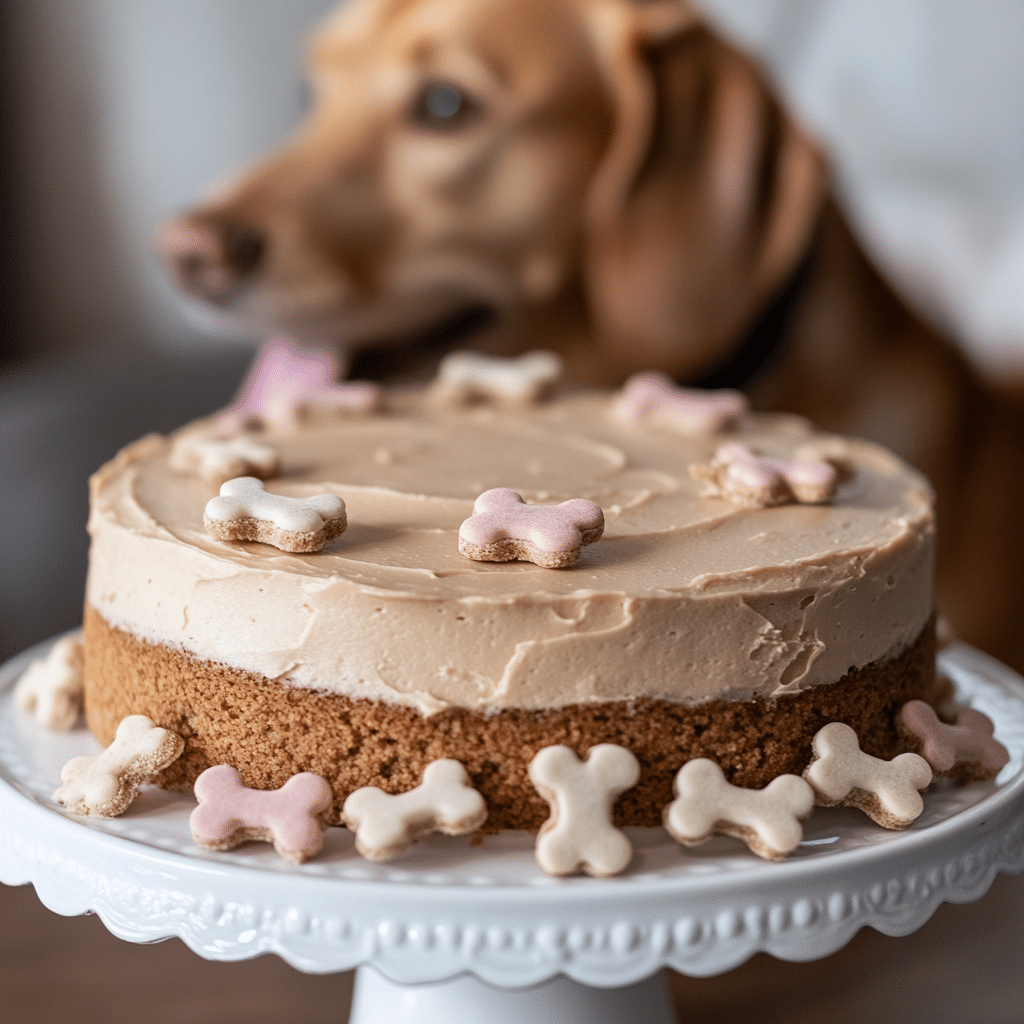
(245, 510)
(472, 376)
(768, 820)
(51, 688)
(219, 459)
(656, 399)
(742, 476)
(580, 834)
(349, 398)
(105, 785)
(385, 824)
(842, 775)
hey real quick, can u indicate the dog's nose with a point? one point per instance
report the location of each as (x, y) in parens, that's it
(210, 258)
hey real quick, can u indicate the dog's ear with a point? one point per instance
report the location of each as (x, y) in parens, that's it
(705, 199)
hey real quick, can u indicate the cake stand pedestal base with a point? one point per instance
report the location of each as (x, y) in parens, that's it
(468, 1001)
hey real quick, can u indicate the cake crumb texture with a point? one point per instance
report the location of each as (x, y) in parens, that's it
(269, 731)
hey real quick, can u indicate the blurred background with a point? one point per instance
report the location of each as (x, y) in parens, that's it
(120, 112)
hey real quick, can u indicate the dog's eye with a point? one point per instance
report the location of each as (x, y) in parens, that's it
(443, 105)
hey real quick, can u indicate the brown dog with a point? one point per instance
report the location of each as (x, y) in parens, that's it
(607, 179)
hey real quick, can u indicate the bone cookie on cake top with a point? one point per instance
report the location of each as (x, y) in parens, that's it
(768, 820)
(842, 775)
(288, 383)
(740, 475)
(965, 751)
(503, 528)
(580, 834)
(245, 510)
(51, 688)
(464, 377)
(105, 785)
(229, 813)
(219, 459)
(654, 398)
(385, 824)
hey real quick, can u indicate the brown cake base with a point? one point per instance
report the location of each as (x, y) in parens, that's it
(270, 731)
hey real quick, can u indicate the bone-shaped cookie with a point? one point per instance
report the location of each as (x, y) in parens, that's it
(229, 813)
(465, 377)
(245, 510)
(965, 750)
(768, 820)
(385, 824)
(105, 785)
(756, 481)
(653, 398)
(51, 688)
(219, 459)
(287, 382)
(580, 834)
(503, 528)
(842, 775)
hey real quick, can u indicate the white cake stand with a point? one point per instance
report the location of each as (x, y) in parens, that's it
(458, 933)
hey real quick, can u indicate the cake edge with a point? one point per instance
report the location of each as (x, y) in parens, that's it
(270, 731)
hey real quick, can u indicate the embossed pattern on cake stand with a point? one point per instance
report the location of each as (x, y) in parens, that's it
(435, 929)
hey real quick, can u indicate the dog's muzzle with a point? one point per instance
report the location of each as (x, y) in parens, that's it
(209, 260)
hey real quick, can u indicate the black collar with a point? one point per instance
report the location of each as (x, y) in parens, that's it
(764, 340)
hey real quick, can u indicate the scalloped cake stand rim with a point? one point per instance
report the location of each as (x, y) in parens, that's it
(602, 933)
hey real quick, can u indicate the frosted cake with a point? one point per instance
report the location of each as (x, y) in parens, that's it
(697, 626)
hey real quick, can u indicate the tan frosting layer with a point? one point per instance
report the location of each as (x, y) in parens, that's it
(685, 598)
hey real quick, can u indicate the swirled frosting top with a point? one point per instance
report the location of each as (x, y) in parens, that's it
(684, 598)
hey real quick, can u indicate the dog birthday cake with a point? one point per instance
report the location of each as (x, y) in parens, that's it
(476, 572)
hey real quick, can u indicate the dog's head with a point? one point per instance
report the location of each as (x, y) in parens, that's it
(601, 177)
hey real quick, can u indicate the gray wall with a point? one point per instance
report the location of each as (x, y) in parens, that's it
(122, 112)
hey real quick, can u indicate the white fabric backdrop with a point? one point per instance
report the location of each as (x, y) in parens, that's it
(921, 103)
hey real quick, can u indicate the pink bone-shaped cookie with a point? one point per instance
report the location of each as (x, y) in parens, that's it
(967, 742)
(738, 473)
(503, 527)
(290, 817)
(654, 398)
(285, 381)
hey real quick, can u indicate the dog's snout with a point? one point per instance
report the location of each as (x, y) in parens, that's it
(211, 258)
